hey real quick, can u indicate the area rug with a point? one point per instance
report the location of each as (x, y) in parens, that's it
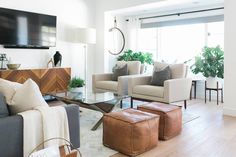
(91, 141)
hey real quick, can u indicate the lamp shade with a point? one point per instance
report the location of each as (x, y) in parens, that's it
(85, 35)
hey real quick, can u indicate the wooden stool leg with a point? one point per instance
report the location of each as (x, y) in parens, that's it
(191, 92)
(217, 88)
(222, 101)
(205, 92)
(209, 94)
(195, 90)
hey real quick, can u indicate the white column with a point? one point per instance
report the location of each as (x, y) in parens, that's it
(230, 58)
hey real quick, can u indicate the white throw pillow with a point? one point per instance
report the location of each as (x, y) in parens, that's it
(27, 97)
(8, 89)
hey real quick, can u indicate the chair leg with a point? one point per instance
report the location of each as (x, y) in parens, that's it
(185, 104)
(121, 104)
(131, 102)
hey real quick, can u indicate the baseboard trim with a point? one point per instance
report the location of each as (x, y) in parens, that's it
(229, 112)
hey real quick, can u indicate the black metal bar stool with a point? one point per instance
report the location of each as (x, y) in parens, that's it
(217, 89)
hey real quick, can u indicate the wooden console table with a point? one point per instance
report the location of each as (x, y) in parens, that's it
(48, 80)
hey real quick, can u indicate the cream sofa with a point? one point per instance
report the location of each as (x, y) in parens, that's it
(174, 90)
(104, 83)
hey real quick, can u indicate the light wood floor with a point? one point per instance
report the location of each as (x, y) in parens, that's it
(211, 135)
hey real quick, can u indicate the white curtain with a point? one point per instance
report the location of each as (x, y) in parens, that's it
(133, 27)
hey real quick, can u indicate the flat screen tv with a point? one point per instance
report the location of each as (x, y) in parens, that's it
(21, 29)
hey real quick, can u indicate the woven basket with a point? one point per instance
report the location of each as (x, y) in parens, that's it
(66, 150)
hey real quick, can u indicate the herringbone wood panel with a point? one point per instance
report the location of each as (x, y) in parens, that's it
(48, 80)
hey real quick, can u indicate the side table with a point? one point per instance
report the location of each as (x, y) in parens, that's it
(217, 89)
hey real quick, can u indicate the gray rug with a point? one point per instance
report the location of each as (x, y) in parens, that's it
(91, 141)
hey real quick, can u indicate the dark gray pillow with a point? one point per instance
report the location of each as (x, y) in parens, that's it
(119, 71)
(159, 77)
(3, 107)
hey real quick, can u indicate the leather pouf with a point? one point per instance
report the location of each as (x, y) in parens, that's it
(130, 131)
(170, 118)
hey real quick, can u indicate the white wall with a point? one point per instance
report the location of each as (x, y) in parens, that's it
(103, 6)
(76, 13)
(230, 57)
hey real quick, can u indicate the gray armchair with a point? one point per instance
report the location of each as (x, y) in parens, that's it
(11, 130)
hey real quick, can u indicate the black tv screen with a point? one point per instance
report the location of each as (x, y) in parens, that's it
(26, 29)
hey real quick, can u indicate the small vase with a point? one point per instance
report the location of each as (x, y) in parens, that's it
(57, 59)
(212, 82)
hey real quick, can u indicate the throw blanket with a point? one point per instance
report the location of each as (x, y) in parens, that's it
(44, 123)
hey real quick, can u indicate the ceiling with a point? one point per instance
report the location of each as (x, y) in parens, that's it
(168, 6)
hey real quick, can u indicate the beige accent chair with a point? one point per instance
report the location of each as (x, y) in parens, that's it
(104, 83)
(174, 90)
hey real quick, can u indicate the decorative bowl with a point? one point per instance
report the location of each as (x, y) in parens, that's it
(13, 66)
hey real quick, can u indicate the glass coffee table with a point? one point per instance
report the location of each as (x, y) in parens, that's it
(101, 102)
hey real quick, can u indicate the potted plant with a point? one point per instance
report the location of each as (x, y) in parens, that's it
(143, 57)
(211, 64)
(76, 84)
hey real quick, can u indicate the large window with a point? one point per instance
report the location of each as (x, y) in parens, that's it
(177, 44)
(215, 34)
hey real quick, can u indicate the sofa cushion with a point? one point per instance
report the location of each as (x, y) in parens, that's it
(159, 77)
(27, 97)
(3, 107)
(107, 85)
(119, 71)
(8, 89)
(134, 67)
(177, 70)
(157, 91)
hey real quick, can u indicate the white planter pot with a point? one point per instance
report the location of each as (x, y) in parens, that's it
(212, 82)
(77, 90)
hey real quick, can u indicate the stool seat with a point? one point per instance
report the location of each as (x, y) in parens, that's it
(170, 118)
(130, 131)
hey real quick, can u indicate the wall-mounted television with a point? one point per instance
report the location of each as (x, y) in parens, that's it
(21, 29)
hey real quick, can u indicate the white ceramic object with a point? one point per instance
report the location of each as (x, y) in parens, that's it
(212, 82)
(77, 90)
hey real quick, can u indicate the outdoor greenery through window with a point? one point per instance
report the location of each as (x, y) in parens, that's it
(177, 44)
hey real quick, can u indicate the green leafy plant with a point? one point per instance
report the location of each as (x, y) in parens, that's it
(210, 62)
(76, 82)
(143, 57)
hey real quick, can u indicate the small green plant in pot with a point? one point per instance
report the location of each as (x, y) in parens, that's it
(211, 64)
(76, 84)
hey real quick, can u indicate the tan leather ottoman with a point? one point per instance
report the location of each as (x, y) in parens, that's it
(170, 118)
(130, 131)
